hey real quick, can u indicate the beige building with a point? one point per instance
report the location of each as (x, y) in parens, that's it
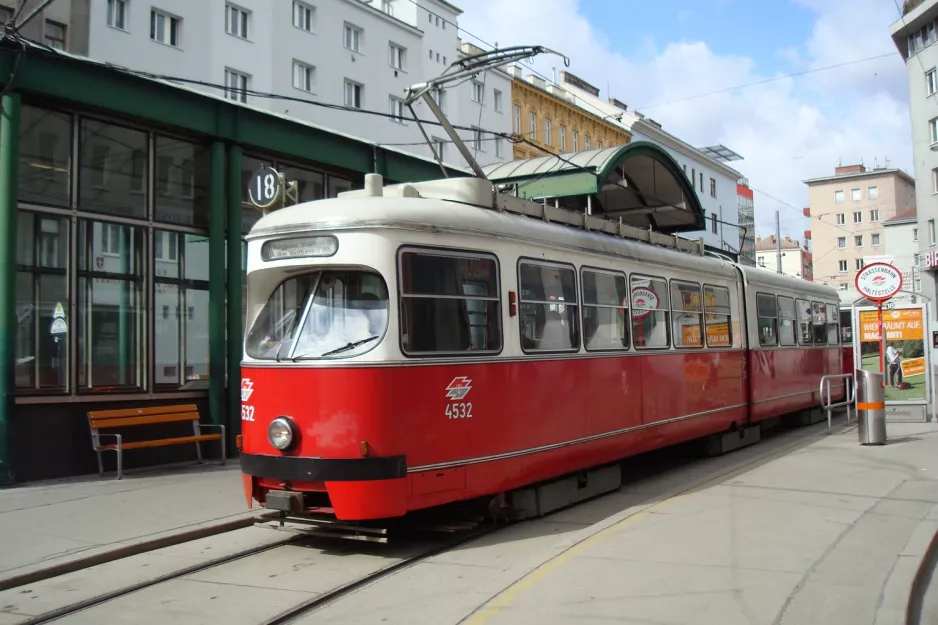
(796, 260)
(848, 210)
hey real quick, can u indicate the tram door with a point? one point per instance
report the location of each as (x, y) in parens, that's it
(907, 366)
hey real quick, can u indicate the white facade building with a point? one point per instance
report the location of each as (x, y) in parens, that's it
(713, 180)
(901, 250)
(354, 53)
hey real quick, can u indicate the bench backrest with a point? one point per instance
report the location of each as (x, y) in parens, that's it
(101, 419)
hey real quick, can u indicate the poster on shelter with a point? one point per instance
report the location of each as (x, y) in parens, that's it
(905, 351)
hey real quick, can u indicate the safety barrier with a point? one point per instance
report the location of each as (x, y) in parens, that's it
(850, 395)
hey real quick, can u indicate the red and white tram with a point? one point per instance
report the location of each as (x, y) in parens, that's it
(409, 347)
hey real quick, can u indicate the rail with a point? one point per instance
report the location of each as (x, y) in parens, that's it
(850, 394)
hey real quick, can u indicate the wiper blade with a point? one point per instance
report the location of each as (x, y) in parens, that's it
(349, 346)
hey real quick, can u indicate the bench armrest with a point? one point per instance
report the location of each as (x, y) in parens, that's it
(96, 439)
(210, 425)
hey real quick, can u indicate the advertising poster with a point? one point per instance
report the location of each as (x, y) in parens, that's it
(905, 351)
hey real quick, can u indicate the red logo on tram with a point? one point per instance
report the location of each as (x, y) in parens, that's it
(247, 388)
(459, 388)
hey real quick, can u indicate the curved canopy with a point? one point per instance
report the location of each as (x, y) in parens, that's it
(638, 182)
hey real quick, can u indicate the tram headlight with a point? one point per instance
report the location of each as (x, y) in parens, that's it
(280, 433)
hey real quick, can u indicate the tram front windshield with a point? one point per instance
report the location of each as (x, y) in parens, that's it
(326, 314)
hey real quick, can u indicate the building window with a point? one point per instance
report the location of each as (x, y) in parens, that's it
(532, 126)
(842, 266)
(859, 264)
(586, 142)
(439, 145)
(45, 156)
(396, 56)
(874, 240)
(498, 147)
(117, 13)
(931, 231)
(516, 119)
(353, 94)
(111, 324)
(396, 109)
(236, 85)
(431, 55)
(713, 187)
(841, 219)
(855, 195)
(933, 130)
(303, 16)
(548, 136)
(55, 35)
(693, 177)
(304, 76)
(713, 223)
(576, 141)
(915, 234)
(478, 92)
(917, 260)
(858, 240)
(6, 15)
(164, 28)
(497, 102)
(563, 138)
(872, 193)
(931, 82)
(839, 197)
(841, 242)
(42, 315)
(353, 38)
(236, 21)
(477, 138)
(112, 169)
(857, 217)
(701, 182)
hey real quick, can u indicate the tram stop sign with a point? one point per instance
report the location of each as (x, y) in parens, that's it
(265, 188)
(878, 282)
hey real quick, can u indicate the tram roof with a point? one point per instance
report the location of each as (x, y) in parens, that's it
(757, 276)
(638, 182)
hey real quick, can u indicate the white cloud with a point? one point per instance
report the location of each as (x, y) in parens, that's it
(787, 130)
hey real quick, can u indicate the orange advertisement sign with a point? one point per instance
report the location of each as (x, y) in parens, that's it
(718, 335)
(913, 366)
(899, 325)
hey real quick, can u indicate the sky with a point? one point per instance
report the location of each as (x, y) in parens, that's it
(661, 58)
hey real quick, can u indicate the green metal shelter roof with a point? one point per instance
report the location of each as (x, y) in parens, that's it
(638, 182)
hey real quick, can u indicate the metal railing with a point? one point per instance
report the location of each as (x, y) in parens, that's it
(850, 394)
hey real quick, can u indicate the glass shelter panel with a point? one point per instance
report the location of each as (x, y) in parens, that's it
(112, 169)
(42, 304)
(181, 183)
(111, 307)
(45, 156)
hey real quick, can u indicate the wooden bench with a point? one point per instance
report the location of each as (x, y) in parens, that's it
(112, 419)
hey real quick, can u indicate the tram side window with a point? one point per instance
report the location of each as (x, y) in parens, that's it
(449, 303)
(819, 316)
(833, 327)
(686, 317)
(718, 315)
(605, 308)
(650, 327)
(787, 323)
(548, 308)
(846, 328)
(805, 332)
(767, 312)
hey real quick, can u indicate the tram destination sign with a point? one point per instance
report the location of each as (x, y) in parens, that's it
(878, 282)
(299, 247)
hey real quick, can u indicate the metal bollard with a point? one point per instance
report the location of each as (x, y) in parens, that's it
(871, 407)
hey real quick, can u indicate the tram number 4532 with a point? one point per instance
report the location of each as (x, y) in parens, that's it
(461, 410)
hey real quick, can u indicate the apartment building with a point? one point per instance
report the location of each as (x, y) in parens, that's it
(309, 53)
(915, 35)
(747, 222)
(796, 260)
(547, 117)
(849, 209)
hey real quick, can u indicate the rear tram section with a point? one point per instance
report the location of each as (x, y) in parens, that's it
(393, 366)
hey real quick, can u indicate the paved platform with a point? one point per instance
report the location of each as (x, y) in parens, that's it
(826, 531)
(50, 524)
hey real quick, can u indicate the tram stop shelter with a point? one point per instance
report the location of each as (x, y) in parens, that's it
(122, 216)
(638, 183)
